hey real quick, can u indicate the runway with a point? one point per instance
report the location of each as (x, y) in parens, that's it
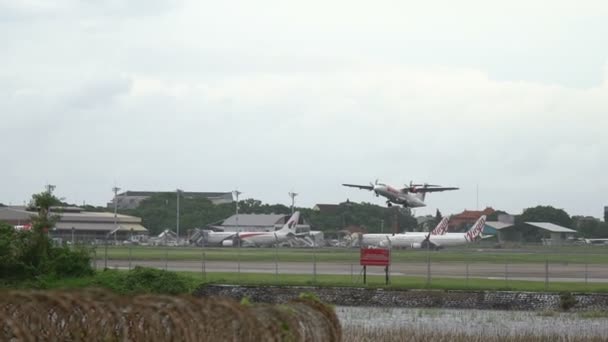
(532, 272)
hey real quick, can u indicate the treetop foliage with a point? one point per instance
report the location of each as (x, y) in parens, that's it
(546, 214)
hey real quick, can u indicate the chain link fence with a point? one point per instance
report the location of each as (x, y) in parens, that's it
(536, 263)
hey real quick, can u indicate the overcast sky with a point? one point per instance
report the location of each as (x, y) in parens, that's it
(272, 96)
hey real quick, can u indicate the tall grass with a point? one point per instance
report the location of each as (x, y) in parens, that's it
(96, 315)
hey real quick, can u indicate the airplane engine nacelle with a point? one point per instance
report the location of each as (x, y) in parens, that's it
(416, 245)
(227, 243)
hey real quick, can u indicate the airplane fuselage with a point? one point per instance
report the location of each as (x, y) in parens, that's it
(397, 196)
(416, 241)
(247, 238)
(216, 238)
(382, 239)
(263, 238)
(255, 238)
(443, 240)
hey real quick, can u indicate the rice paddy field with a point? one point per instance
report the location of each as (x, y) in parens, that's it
(397, 324)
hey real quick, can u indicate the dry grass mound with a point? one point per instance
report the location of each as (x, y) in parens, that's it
(95, 315)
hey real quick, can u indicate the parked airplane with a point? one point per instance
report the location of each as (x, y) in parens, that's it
(440, 241)
(411, 196)
(255, 238)
(382, 239)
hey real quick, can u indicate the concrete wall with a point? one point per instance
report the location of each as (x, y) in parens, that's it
(488, 300)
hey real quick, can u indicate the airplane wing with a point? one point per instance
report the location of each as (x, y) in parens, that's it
(365, 187)
(435, 189)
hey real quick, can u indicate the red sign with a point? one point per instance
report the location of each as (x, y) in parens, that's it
(375, 257)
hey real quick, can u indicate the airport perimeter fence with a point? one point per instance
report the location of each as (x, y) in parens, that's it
(544, 265)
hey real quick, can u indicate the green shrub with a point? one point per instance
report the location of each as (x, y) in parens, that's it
(143, 280)
(25, 255)
(566, 301)
(12, 263)
(69, 263)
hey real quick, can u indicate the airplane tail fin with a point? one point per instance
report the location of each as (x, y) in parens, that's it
(290, 226)
(477, 229)
(442, 227)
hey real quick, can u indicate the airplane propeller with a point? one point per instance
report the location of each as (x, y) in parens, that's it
(373, 185)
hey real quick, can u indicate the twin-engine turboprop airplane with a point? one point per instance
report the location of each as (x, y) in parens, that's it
(411, 196)
(287, 232)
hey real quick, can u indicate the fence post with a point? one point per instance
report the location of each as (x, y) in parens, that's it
(105, 256)
(130, 248)
(238, 259)
(166, 254)
(467, 275)
(546, 273)
(203, 268)
(428, 265)
(506, 271)
(314, 263)
(95, 256)
(586, 267)
(276, 258)
(390, 257)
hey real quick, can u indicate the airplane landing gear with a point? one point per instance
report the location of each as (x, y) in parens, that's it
(389, 204)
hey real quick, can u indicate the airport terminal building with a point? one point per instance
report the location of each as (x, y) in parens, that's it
(550, 233)
(259, 223)
(132, 199)
(82, 226)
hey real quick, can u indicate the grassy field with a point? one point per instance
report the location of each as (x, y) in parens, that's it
(575, 255)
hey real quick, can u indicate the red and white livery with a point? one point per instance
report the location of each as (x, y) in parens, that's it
(411, 196)
(287, 232)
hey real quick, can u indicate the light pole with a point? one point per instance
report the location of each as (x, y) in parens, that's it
(105, 259)
(293, 200)
(236, 194)
(50, 188)
(178, 191)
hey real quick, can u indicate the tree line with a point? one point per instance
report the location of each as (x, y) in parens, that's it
(159, 212)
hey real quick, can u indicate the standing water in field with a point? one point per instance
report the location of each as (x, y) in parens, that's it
(478, 323)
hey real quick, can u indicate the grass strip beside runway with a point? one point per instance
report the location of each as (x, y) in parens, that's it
(397, 282)
(109, 279)
(351, 255)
